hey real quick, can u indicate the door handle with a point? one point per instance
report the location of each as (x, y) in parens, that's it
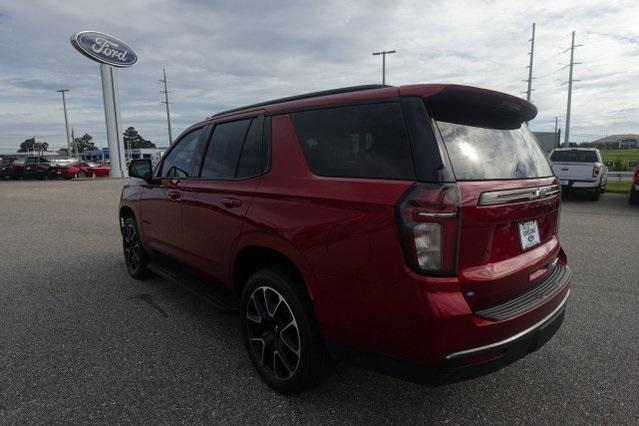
(231, 202)
(175, 195)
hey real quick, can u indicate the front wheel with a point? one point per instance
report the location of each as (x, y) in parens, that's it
(80, 174)
(634, 197)
(134, 254)
(280, 333)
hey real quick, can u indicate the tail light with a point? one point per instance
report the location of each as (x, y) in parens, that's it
(596, 170)
(428, 220)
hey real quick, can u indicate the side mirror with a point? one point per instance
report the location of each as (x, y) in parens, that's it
(142, 169)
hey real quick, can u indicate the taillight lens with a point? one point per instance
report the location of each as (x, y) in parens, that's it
(595, 171)
(428, 219)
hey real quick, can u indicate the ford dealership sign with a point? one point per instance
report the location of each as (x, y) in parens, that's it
(104, 48)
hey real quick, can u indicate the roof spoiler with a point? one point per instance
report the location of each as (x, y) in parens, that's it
(478, 107)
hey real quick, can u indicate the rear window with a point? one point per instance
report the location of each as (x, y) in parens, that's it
(574, 157)
(364, 141)
(479, 153)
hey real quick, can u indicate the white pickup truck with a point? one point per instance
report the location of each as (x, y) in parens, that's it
(580, 169)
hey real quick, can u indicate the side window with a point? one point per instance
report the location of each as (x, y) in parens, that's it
(364, 141)
(250, 163)
(183, 160)
(224, 149)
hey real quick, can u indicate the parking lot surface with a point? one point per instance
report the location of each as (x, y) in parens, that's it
(82, 342)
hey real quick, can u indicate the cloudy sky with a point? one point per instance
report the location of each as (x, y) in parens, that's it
(224, 54)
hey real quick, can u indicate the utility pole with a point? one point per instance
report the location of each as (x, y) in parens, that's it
(570, 81)
(66, 119)
(530, 66)
(384, 53)
(557, 141)
(166, 102)
(75, 144)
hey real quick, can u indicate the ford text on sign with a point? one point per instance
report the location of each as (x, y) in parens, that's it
(104, 48)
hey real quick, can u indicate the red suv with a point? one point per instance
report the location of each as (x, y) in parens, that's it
(412, 230)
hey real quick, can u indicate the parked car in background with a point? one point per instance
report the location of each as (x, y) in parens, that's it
(11, 168)
(634, 188)
(413, 230)
(25, 168)
(36, 168)
(580, 169)
(79, 170)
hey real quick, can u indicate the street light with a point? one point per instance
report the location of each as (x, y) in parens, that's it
(384, 53)
(66, 119)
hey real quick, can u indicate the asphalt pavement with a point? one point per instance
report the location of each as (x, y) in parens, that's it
(82, 342)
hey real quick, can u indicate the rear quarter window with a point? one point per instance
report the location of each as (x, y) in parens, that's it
(363, 141)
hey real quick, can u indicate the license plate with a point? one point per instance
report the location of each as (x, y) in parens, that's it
(563, 182)
(529, 234)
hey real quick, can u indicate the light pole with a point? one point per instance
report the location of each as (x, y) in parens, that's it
(384, 53)
(66, 119)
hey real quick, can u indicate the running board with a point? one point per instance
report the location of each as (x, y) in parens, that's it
(190, 280)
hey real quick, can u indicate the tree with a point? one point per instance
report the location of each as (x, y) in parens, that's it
(31, 145)
(133, 140)
(83, 143)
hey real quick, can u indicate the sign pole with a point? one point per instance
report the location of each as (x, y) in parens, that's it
(113, 121)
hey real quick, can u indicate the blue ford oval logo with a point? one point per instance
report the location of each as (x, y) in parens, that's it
(104, 48)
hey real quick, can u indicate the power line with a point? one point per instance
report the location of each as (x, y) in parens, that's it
(384, 53)
(166, 102)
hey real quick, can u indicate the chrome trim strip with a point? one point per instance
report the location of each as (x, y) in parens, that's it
(446, 214)
(511, 338)
(517, 195)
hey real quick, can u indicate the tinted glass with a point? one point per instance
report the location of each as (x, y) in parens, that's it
(183, 160)
(251, 159)
(479, 153)
(224, 150)
(574, 156)
(367, 141)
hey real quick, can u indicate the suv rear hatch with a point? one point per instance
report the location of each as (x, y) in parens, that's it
(509, 199)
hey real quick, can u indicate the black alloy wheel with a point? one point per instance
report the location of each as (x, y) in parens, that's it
(134, 254)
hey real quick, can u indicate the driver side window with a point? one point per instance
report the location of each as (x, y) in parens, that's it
(184, 160)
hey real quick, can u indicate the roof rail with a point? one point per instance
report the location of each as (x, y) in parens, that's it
(305, 96)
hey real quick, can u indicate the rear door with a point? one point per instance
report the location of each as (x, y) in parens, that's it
(509, 211)
(162, 202)
(216, 203)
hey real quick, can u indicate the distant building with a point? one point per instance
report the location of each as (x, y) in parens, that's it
(628, 143)
(153, 154)
(616, 141)
(547, 140)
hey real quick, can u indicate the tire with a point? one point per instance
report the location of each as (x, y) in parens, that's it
(80, 174)
(594, 196)
(134, 255)
(634, 198)
(280, 333)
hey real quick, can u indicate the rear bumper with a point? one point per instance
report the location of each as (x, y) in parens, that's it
(461, 365)
(580, 184)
